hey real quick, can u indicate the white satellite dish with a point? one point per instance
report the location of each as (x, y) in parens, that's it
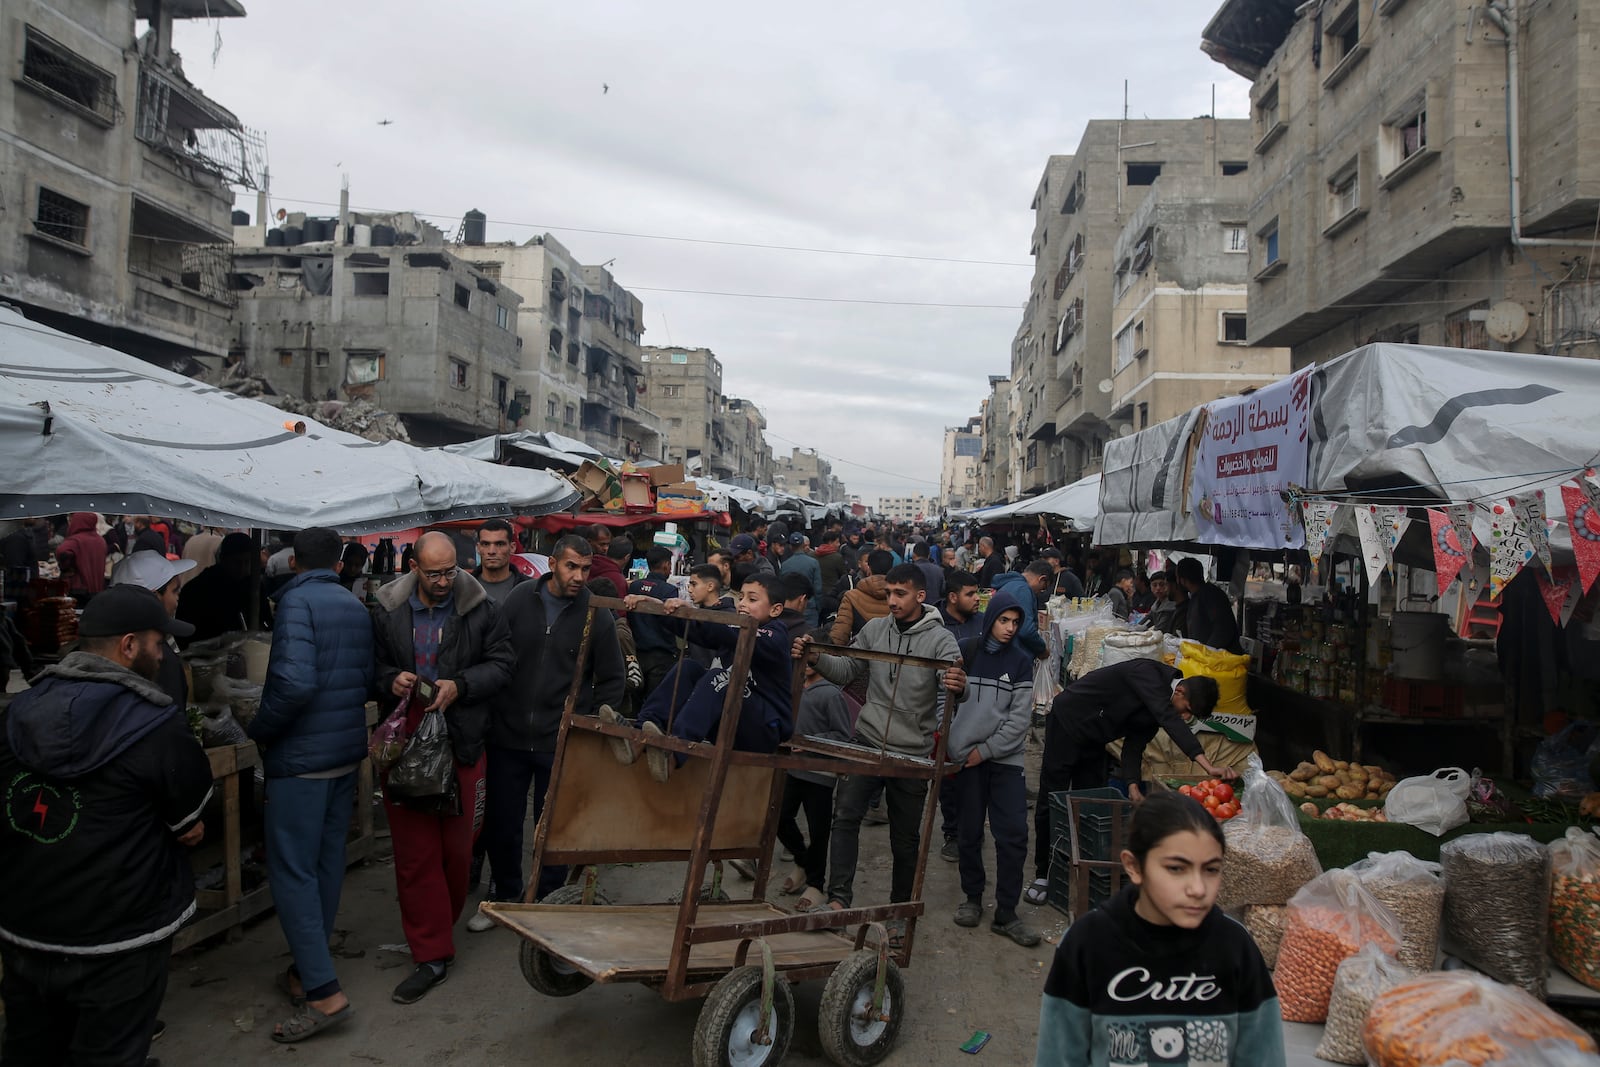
(1105, 385)
(1506, 321)
(1124, 429)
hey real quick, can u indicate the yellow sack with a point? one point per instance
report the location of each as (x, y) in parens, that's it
(1231, 673)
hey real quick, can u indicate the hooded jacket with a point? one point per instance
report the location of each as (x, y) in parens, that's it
(867, 601)
(833, 565)
(914, 693)
(797, 562)
(1129, 700)
(100, 776)
(313, 706)
(87, 550)
(474, 652)
(527, 713)
(1028, 635)
(997, 709)
(609, 569)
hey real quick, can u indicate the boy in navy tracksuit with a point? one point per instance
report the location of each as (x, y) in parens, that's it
(688, 702)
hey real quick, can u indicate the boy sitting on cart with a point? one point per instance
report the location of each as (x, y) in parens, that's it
(688, 702)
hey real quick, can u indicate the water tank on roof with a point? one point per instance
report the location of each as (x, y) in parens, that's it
(275, 238)
(473, 226)
(293, 235)
(311, 231)
(241, 218)
(382, 235)
(361, 235)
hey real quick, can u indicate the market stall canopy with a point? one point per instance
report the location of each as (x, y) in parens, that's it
(527, 449)
(1077, 503)
(87, 428)
(1143, 486)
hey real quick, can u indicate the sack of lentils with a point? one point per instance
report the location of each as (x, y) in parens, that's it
(1497, 906)
(1329, 921)
(1413, 890)
(1575, 905)
(1359, 982)
(1461, 1019)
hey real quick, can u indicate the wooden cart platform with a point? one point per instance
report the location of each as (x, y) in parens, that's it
(634, 943)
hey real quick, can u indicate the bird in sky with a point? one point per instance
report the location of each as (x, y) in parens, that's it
(386, 122)
(604, 88)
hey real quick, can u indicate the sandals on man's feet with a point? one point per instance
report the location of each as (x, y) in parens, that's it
(811, 900)
(1037, 893)
(307, 1021)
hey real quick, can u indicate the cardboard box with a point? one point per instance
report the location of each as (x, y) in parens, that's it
(636, 493)
(682, 498)
(666, 474)
(597, 481)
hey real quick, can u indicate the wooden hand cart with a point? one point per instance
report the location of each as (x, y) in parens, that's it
(721, 804)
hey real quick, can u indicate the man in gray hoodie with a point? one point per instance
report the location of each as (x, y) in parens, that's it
(902, 712)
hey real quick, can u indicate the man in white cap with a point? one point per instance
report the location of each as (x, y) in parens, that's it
(157, 573)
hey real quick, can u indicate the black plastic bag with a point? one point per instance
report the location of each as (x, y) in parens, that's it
(424, 777)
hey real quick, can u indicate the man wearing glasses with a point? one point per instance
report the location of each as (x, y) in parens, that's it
(441, 642)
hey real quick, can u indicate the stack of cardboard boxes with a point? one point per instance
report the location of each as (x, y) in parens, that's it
(659, 490)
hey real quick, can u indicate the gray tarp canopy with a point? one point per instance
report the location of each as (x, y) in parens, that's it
(526, 448)
(1403, 424)
(87, 428)
(1077, 503)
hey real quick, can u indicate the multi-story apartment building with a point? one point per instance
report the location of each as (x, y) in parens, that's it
(1179, 323)
(804, 473)
(683, 386)
(995, 462)
(116, 178)
(963, 452)
(1062, 358)
(1422, 170)
(907, 508)
(746, 430)
(581, 367)
(411, 327)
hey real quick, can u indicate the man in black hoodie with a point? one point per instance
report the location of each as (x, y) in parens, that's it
(103, 788)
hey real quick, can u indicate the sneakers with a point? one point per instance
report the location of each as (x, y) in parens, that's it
(951, 850)
(416, 986)
(480, 923)
(659, 759)
(744, 869)
(621, 747)
(969, 913)
(1016, 930)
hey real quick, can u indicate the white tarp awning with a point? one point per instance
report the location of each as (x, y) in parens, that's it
(1078, 503)
(505, 446)
(87, 428)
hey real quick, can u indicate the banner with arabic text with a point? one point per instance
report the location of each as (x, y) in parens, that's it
(1252, 448)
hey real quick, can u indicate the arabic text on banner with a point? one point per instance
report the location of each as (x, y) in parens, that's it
(1252, 449)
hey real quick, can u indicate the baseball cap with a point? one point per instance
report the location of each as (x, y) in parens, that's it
(741, 544)
(797, 538)
(150, 570)
(128, 609)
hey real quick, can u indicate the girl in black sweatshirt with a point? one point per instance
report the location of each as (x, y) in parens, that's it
(1159, 975)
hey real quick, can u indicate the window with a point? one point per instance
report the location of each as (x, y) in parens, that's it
(1344, 193)
(1401, 333)
(1125, 346)
(1033, 455)
(1341, 43)
(502, 316)
(285, 358)
(1268, 244)
(501, 388)
(458, 374)
(490, 269)
(1269, 117)
(556, 341)
(1143, 173)
(1468, 328)
(463, 297)
(1074, 199)
(61, 218)
(550, 408)
(322, 357)
(362, 367)
(56, 72)
(571, 418)
(1403, 141)
(370, 283)
(1144, 416)
(1229, 170)
(1143, 251)
(573, 348)
(671, 390)
(1071, 319)
(1232, 328)
(1233, 239)
(1074, 258)
(676, 423)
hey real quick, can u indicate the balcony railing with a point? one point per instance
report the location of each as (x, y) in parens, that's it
(177, 119)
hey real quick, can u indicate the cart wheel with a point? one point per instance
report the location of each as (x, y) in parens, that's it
(725, 1034)
(849, 1037)
(544, 972)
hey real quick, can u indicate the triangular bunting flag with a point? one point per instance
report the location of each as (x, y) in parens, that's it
(1510, 546)
(1531, 508)
(1320, 516)
(1372, 544)
(1574, 598)
(1583, 516)
(1555, 596)
(1448, 554)
(1392, 522)
(1460, 516)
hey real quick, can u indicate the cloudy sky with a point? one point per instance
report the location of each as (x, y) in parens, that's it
(917, 129)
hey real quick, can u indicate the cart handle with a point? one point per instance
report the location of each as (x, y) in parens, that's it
(652, 606)
(881, 657)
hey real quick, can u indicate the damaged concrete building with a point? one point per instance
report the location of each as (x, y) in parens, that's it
(117, 177)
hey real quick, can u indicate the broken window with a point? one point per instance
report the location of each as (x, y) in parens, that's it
(1233, 239)
(285, 358)
(573, 351)
(322, 357)
(1233, 328)
(572, 415)
(1466, 330)
(501, 389)
(1144, 416)
(463, 297)
(60, 73)
(458, 374)
(370, 283)
(556, 342)
(490, 269)
(62, 218)
(1143, 173)
(428, 260)
(502, 316)
(1344, 32)
(1231, 169)
(550, 408)
(1405, 138)
(1344, 191)
(670, 391)
(1268, 116)
(363, 367)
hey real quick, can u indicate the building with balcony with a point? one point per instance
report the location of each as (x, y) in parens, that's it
(745, 429)
(683, 386)
(805, 473)
(907, 508)
(117, 178)
(963, 452)
(406, 324)
(1180, 327)
(1421, 170)
(996, 462)
(1062, 357)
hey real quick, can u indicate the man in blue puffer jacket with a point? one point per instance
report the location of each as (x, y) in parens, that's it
(312, 725)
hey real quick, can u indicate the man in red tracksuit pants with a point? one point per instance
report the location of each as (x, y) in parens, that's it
(438, 626)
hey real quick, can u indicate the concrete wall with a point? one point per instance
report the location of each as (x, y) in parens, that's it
(963, 457)
(683, 386)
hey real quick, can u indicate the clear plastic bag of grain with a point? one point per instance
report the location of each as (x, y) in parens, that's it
(1265, 923)
(1497, 906)
(1360, 980)
(1268, 858)
(1414, 891)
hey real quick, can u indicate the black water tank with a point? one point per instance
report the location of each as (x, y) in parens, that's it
(293, 235)
(275, 238)
(241, 218)
(472, 227)
(382, 235)
(311, 231)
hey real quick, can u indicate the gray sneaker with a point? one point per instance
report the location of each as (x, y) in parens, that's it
(660, 760)
(621, 747)
(1018, 931)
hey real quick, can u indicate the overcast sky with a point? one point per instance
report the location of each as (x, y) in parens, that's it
(916, 128)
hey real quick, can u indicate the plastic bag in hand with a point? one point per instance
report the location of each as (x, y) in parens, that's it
(388, 740)
(424, 776)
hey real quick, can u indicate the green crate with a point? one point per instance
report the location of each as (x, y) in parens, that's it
(1058, 894)
(1099, 812)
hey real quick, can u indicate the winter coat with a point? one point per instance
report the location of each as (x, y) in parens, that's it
(994, 565)
(474, 652)
(1211, 619)
(867, 601)
(802, 564)
(972, 627)
(932, 580)
(914, 693)
(313, 706)
(611, 570)
(833, 565)
(101, 776)
(1129, 700)
(87, 552)
(527, 713)
(824, 715)
(1028, 635)
(997, 709)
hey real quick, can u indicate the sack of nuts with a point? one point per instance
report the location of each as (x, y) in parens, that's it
(1268, 858)
(1265, 924)
(1413, 890)
(1462, 1018)
(1575, 905)
(1497, 906)
(1329, 921)
(1359, 981)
